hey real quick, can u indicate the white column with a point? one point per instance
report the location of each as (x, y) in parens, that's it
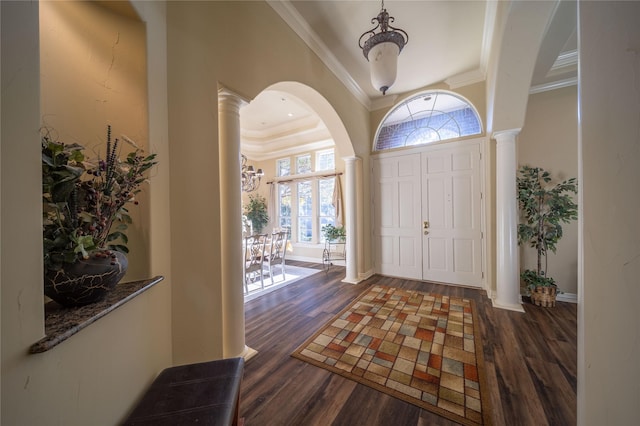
(507, 275)
(351, 201)
(360, 209)
(231, 226)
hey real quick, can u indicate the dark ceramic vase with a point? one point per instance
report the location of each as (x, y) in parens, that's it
(86, 281)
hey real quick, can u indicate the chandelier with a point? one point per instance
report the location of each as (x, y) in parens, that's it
(249, 176)
(382, 50)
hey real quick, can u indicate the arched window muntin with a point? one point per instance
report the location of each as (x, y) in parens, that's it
(428, 117)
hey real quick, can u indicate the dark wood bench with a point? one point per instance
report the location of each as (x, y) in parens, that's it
(206, 393)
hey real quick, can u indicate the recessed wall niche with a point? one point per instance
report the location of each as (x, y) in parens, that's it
(93, 73)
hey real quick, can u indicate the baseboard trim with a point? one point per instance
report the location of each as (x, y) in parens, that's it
(567, 297)
(490, 294)
(366, 275)
(304, 259)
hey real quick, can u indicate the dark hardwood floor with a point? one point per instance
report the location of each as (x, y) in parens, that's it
(530, 360)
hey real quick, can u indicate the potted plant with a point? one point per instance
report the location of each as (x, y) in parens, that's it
(256, 212)
(85, 217)
(334, 247)
(334, 233)
(544, 206)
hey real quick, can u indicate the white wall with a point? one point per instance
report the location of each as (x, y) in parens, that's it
(609, 144)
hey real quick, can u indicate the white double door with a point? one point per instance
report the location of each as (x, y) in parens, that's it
(427, 214)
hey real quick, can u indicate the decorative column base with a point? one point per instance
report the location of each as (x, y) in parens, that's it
(517, 307)
(248, 353)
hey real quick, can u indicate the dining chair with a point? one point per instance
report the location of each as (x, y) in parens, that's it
(276, 254)
(254, 247)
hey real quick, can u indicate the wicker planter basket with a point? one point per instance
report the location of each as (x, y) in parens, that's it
(544, 296)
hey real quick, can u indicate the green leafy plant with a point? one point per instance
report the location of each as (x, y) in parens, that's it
(333, 233)
(544, 206)
(83, 198)
(256, 212)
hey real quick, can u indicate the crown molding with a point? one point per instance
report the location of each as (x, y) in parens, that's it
(565, 64)
(465, 79)
(490, 14)
(553, 85)
(261, 152)
(292, 18)
(565, 59)
(306, 124)
(293, 138)
(383, 102)
(480, 74)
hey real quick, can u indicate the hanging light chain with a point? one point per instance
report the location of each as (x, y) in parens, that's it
(383, 19)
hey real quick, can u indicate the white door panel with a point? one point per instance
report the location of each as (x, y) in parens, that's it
(409, 255)
(462, 161)
(440, 185)
(386, 251)
(396, 211)
(435, 256)
(463, 255)
(436, 190)
(385, 192)
(463, 211)
(451, 205)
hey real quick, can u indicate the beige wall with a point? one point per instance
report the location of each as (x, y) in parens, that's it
(202, 56)
(93, 73)
(96, 375)
(549, 139)
(608, 290)
(64, 386)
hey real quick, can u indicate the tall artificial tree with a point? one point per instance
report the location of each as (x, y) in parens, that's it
(544, 207)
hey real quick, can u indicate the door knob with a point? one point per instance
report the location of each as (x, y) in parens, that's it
(425, 224)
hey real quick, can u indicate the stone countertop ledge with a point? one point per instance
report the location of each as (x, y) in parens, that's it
(60, 323)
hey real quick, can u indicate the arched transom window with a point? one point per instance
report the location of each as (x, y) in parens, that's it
(428, 117)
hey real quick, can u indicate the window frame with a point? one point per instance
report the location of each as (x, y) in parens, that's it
(293, 181)
(296, 163)
(278, 168)
(322, 152)
(428, 93)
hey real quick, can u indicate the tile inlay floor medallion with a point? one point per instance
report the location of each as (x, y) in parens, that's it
(419, 347)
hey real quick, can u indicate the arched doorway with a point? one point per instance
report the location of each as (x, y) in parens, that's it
(229, 105)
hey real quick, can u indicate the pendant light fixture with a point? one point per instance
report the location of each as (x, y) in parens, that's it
(249, 177)
(382, 49)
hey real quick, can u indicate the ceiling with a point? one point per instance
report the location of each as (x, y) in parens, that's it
(448, 41)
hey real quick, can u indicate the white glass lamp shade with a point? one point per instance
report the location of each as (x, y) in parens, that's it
(383, 59)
